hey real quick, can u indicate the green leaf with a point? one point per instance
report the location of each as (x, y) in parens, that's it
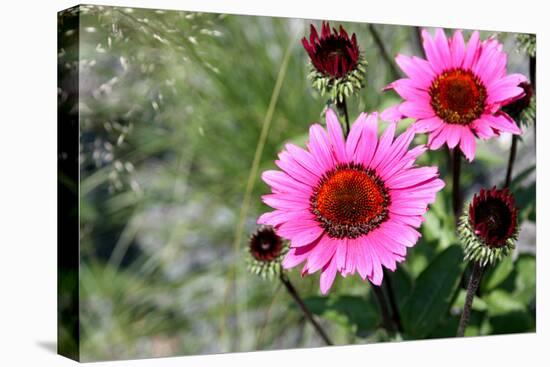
(433, 293)
(526, 202)
(512, 322)
(431, 227)
(402, 285)
(500, 302)
(357, 314)
(446, 328)
(496, 275)
(525, 287)
(439, 226)
(516, 182)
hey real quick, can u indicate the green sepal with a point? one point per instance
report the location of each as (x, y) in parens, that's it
(339, 88)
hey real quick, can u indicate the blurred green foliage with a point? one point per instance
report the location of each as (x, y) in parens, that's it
(172, 106)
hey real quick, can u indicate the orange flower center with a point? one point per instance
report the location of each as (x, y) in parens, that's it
(458, 96)
(350, 201)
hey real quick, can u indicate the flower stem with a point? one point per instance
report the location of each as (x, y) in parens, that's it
(513, 150)
(396, 317)
(383, 305)
(384, 52)
(473, 284)
(306, 311)
(343, 110)
(457, 194)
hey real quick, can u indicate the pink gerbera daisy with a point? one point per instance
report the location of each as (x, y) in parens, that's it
(456, 94)
(352, 204)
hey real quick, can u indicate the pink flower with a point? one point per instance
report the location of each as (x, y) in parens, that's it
(456, 94)
(352, 204)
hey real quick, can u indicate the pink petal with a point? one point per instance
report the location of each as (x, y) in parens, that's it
(407, 89)
(273, 218)
(438, 137)
(397, 151)
(487, 58)
(327, 276)
(282, 182)
(417, 69)
(495, 69)
(369, 138)
(412, 177)
(472, 51)
(336, 136)
(361, 259)
(295, 170)
(296, 256)
(401, 164)
(442, 48)
(305, 159)
(300, 233)
(277, 217)
(282, 202)
(386, 258)
(431, 185)
(418, 110)
(468, 144)
(502, 122)
(391, 114)
(427, 124)
(354, 135)
(320, 147)
(377, 274)
(503, 95)
(322, 253)
(352, 256)
(483, 129)
(511, 80)
(410, 220)
(454, 134)
(382, 149)
(391, 238)
(424, 196)
(457, 49)
(341, 251)
(430, 48)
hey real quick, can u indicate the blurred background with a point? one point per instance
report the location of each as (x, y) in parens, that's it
(172, 105)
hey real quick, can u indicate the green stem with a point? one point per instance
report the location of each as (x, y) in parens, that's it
(473, 284)
(343, 110)
(383, 305)
(396, 317)
(511, 159)
(305, 310)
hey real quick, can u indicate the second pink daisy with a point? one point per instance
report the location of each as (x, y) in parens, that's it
(456, 94)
